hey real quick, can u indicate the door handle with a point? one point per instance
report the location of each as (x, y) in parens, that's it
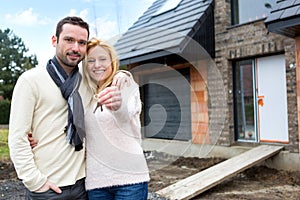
(260, 100)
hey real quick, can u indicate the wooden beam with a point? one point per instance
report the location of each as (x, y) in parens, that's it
(204, 180)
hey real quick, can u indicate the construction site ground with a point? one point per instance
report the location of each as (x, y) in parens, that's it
(258, 182)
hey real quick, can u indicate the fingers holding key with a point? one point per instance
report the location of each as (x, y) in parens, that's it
(111, 98)
(121, 79)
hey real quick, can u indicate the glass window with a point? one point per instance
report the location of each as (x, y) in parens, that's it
(168, 5)
(245, 126)
(244, 11)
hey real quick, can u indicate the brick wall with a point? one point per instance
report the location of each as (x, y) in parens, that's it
(199, 108)
(246, 41)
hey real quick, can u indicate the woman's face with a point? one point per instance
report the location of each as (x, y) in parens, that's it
(99, 65)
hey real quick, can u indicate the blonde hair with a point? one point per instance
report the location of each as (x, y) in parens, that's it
(93, 86)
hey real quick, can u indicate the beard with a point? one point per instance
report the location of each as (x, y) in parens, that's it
(69, 62)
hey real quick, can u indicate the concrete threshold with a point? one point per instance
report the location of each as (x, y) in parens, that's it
(282, 161)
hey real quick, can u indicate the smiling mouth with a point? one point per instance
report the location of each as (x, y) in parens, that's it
(99, 71)
(73, 55)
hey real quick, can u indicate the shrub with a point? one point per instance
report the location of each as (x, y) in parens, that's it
(4, 111)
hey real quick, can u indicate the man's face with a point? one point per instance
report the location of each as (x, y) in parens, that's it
(71, 46)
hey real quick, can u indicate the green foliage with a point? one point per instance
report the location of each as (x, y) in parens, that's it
(13, 61)
(4, 111)
(4, 151)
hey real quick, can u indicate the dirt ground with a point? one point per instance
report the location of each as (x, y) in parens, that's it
(259, 182)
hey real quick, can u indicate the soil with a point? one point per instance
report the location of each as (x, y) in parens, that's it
(259, 182)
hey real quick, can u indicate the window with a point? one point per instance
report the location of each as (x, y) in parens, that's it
(168, 5)
(243, 11)
(260, 99)
(244, 87)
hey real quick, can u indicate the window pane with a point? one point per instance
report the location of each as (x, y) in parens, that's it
(169, 5)
(244, 11)
(244, 100)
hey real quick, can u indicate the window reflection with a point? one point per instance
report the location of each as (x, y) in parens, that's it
(244, 100)
(168, 5)
(244, 11)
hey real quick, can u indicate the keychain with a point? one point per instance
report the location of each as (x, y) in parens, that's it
(98, 104)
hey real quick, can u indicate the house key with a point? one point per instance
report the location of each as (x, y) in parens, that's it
(98, 104)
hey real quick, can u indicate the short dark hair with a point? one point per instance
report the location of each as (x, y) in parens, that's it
(71, 20)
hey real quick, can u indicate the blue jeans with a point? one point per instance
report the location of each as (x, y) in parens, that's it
(137, 191)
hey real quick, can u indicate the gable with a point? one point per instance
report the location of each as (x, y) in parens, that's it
(154, 35)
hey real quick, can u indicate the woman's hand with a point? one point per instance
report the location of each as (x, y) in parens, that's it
(110, 97)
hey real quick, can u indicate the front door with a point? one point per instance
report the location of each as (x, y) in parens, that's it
(261, 100)
(271, 89)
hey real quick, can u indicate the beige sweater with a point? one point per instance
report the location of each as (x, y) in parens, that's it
(38, 106)
(113, 143)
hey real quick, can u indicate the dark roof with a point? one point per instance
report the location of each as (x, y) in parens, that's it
(152, 35)
(284, 18)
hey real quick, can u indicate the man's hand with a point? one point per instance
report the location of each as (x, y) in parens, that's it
(110, 97)
(33, 142)
(49, 186)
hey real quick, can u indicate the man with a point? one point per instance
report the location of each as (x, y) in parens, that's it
(46, 102)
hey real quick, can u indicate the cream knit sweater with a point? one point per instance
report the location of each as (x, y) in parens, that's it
(38, 106)
(114, 155)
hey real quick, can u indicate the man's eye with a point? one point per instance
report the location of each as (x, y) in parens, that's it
(83, 43)
(68, 39)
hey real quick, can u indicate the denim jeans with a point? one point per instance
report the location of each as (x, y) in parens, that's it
(72, 192)
(137, 191)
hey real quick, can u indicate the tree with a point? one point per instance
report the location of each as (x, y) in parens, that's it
(13, 61)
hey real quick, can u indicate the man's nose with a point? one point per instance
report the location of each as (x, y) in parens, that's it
(75, 46)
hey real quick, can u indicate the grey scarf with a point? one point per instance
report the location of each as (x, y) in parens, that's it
(69, 85)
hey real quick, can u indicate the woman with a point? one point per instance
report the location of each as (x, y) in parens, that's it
(115, 164)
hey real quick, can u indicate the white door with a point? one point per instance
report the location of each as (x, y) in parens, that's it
(272, 99)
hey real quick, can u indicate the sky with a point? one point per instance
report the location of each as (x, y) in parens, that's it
(34, 21)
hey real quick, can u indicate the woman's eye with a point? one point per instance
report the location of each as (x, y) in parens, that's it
(91, 61)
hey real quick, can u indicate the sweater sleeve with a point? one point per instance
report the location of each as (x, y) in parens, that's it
(21, 115)
(131, 102)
